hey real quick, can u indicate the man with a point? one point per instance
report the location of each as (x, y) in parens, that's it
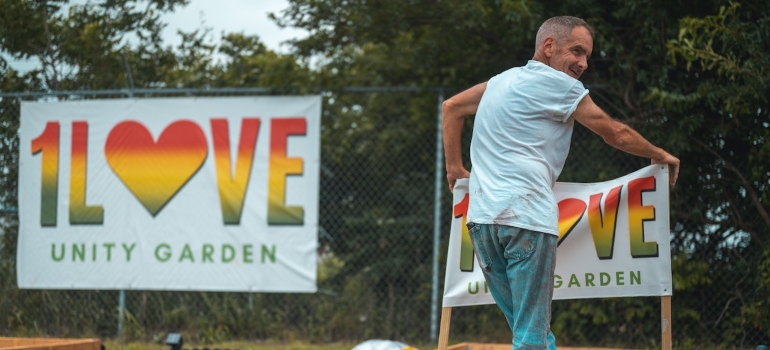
(521, 137)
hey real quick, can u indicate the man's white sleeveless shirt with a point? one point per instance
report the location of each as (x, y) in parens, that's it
(521, 138)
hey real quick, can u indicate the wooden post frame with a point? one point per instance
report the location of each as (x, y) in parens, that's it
(575, 201)
(443, 332)
(665, 322)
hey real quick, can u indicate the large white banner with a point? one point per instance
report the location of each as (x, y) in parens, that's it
(217, 194)
(613, 241)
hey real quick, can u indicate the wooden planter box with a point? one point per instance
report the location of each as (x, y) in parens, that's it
(49, 344)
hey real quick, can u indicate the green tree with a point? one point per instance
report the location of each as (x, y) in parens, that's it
(722, 110)
(459, 43)
(117, 44)
(80, 48)
(248, 63)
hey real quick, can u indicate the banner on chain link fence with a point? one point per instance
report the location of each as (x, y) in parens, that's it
(613, 241)
(217, 194)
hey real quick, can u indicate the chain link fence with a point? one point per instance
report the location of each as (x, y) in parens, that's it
(376, 251)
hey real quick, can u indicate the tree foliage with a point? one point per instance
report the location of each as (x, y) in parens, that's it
(117, 44)
(724, 108)
(692, 76)
(697, 87)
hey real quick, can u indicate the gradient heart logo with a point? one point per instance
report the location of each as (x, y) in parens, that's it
(155, 171)
(570, 212)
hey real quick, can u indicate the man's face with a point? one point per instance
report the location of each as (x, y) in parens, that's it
(572, 53)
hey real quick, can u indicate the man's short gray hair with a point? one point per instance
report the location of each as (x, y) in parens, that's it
(559, 27)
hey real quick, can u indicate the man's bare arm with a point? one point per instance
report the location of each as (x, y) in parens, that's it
(454, 111)
(623, 137)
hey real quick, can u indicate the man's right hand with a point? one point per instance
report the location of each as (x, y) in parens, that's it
(673, 167)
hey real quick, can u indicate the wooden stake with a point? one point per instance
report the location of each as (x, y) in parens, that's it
(443, 332)
(665, 320)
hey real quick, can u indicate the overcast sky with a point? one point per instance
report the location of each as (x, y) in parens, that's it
(247, 16)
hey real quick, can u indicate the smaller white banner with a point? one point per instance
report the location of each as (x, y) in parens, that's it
(613, 241)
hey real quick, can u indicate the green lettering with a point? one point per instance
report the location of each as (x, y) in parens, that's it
(471, 290)
(636, 277)
(573, 281)
(619, 277)
(268, 253)
(557, 282)
(53, 252)
(247, 253)
(79, 253)
(486, 287)
(128, 250)
(186, 254)
(590, 280)
(166, 252)
(604, 278)
(93, 252)
(208, 250)
(225, 249)
(109, 250)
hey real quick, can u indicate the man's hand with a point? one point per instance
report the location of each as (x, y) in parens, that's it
(673, 167)
(454, 111)
(453, 175)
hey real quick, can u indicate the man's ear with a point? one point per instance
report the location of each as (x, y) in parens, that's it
(549, 46)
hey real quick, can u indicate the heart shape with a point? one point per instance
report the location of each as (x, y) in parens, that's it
(155, 171)
(570, 212)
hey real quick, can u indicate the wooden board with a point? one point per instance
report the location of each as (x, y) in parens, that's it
(49, 344)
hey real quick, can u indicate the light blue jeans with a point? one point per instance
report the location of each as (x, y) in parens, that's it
(518, 266)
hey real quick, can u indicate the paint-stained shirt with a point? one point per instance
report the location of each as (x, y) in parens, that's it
(521, 138)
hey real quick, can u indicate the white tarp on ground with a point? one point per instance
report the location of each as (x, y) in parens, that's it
(380, 344)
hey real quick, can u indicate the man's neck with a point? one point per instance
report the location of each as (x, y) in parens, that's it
(540, 57)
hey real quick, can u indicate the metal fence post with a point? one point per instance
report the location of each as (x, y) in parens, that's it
(122, 296)
(437, 218)
(121, 311)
